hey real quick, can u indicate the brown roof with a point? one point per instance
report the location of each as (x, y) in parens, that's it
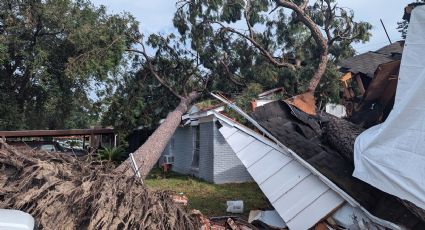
(367, 63)
(395, 48)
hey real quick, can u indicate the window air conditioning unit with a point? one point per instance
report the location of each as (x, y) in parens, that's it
(168, 159)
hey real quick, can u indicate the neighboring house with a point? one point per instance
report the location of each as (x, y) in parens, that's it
(369, 83)
(199, 149)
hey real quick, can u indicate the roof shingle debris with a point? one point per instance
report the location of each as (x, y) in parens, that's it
(367, 63)
(278, 119)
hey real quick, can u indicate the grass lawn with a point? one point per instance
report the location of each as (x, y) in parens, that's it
(209, 198)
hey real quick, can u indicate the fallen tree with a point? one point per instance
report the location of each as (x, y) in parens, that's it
(187, 91)
(208, 54)
(341, 135)
(63, 193)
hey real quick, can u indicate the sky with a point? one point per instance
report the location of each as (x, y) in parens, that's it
(155, 16)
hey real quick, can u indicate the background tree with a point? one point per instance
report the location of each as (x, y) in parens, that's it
(52, 54)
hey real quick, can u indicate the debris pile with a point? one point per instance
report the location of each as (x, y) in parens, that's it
(61, 192)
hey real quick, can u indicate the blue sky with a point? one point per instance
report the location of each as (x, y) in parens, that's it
(155, 16)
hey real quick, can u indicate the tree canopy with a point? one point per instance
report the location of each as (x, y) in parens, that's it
(226, 45)
(51, 63)
(52, 54)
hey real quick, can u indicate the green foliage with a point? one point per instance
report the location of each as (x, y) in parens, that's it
(243, 101)
(139, 100)
(52, 53)
(403, 25)
(205, 104)
(114, 154)
(204, 56)
(230, 56)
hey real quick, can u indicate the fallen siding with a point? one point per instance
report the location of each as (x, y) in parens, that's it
(300, 198)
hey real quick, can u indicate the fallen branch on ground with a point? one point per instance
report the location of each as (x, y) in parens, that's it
(63, 193)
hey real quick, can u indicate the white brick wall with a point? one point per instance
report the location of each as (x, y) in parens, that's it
(227, 166)
(182, 150)
(217, 161)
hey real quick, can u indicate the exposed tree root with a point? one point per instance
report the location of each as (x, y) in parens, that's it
(63, 193)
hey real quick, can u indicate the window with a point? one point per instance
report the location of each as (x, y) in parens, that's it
(196, 146)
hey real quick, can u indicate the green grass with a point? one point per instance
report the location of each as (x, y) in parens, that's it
(209, 198)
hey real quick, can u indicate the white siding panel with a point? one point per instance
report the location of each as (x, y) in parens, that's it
(287, 177)
(268, 165)
(328, 202)
(239, 140)
(227, 131)
(253, 152)
(300, 198)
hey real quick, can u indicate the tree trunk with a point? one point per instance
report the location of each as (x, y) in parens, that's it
(149, 153)
(341, 135)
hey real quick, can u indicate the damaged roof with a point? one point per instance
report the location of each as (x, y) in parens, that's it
(299, 196)
(367, 63)
(277, 118)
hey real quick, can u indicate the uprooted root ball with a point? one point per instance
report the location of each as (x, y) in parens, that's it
(63, 193)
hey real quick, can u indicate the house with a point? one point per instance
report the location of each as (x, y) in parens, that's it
(199, 149)
(386, 189)
(369, 83)
(305, 180)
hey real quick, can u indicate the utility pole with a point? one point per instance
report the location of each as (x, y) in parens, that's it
(386, 31)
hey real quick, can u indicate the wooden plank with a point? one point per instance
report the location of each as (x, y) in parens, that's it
(347, 76)
(360, 85)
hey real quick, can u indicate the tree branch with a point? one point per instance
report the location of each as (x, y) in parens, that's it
(226, 67)
(318, 37)
(152, 69)
(248, 17)
(304, 4)
(263, 51)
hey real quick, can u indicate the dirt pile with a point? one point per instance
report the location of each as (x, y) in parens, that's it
(63, 193)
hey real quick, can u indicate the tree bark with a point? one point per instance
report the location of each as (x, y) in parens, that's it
(149, 153)
(317, 35)
(341, 135)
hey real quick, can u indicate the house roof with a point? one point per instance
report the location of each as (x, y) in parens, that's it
(367, 63)
(277, 119)
(299, 196)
